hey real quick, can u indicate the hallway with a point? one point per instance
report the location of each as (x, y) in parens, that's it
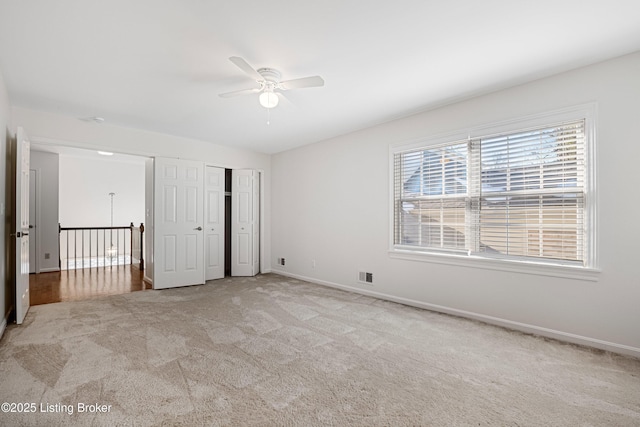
(82, 284)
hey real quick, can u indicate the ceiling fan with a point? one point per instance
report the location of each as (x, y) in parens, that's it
(269, 83)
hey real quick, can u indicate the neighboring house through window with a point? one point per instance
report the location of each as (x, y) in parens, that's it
(521, 193)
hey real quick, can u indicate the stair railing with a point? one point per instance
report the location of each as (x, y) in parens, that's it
(90, 247)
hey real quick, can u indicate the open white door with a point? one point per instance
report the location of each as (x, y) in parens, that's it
(33, 235)
(214, 222)
(21, 216)
(245, 224)
(178, 223)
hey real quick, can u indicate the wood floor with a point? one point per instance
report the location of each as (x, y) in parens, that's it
(76, 285)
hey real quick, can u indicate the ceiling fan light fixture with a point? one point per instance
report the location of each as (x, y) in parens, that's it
(270, 83)
(268, 99)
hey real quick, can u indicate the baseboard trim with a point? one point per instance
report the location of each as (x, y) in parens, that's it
(522, 327)
(3, 326)
(49, 270)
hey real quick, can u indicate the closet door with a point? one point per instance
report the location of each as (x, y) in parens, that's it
(245, 230)
(214, 222)
(178, 223)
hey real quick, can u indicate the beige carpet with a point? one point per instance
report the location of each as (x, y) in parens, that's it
(271, 351)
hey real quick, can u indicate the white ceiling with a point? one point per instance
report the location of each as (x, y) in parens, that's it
(160, 64)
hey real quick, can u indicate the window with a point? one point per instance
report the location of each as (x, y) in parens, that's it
(516, 195)
(431, 206)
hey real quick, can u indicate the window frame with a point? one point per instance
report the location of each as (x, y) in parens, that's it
(542, 266)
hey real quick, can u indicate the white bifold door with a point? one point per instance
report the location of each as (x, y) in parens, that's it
(245, 223)
(214, 222)
(189, 223)
(178, 223)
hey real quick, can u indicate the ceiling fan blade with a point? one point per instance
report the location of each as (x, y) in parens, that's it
(313, 81)
(244, 66)
(239, 92)
(284, 100)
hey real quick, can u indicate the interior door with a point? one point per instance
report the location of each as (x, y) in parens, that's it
(178, 223)
(245, 229)
(21, 216)
(33, 235)
(214, 222)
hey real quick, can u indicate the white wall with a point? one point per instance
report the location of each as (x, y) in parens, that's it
(62, 130)
(85, 184)
(5, 126)
(331, 204)
(47, 195)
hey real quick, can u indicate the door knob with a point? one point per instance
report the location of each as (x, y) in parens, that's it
(198, 228)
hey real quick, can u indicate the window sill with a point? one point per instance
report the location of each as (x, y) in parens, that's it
(515, 266)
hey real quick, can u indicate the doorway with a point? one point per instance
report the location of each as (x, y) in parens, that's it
(70, 188)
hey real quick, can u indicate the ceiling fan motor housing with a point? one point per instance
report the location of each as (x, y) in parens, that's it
(269, 74)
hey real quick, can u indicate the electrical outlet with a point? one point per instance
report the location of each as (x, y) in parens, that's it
(282, 261)
(47, 255)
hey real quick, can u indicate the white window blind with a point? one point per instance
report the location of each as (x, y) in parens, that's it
(516, 195)
(431, 209)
